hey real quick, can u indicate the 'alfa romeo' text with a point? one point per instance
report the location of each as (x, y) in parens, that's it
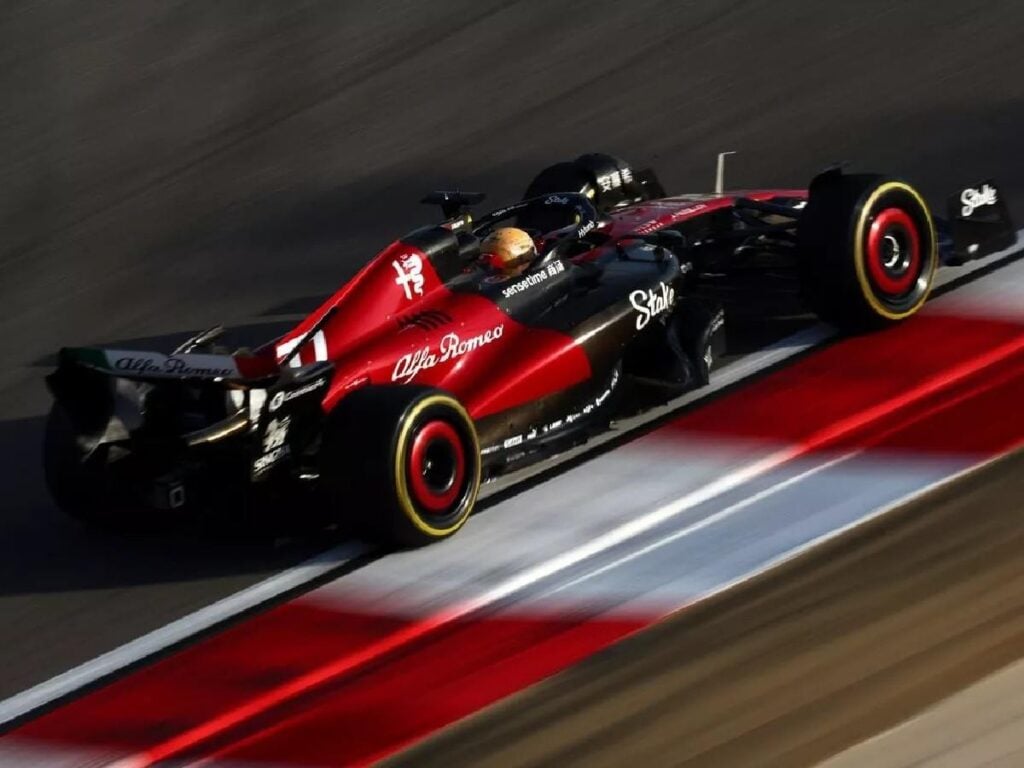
(452, 346)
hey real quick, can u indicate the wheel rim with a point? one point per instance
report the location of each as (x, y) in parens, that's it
(874, 259)
(893, 253)
(437, 467)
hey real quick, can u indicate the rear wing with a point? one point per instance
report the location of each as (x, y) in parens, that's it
(979, 223)
(100, 393)
(149, 366)
(106, 393)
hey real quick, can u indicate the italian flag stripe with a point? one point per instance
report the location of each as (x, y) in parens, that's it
(95, 358)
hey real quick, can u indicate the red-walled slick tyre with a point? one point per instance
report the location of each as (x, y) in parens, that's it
(868, 250)
(402, 463)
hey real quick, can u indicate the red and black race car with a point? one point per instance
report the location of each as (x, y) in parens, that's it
(427, 374)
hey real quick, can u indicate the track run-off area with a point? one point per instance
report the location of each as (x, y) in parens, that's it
(166, 168)
(707, 500)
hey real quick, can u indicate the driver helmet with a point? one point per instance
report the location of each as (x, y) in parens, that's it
(508, 250)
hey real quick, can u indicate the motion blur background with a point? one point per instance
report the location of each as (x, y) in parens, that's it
(174, 164)
(165, 166)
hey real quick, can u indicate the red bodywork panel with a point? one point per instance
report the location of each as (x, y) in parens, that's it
(477, 352)
(645, 218)
(397, 322)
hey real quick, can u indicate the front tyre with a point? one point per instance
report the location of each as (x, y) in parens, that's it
(402, 463)
(868, 250)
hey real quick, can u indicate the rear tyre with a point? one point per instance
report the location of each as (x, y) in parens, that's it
(401, 463)
(868, 250)
(83, 487)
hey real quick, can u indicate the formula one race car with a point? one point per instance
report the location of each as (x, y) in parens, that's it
(427, 373)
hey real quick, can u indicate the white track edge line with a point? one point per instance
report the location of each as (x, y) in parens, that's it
(157, 640)
(798, 551)
(181, 629)
(706, 522)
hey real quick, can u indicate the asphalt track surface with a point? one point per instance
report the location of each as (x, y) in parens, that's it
(841, 644)
(560, 570)
(171, 166)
